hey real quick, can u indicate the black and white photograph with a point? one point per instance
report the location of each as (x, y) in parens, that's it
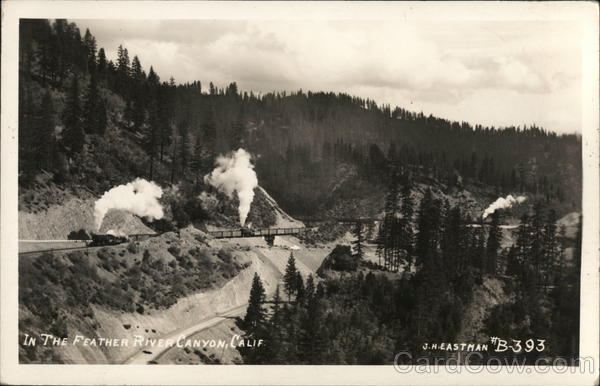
(302, 191)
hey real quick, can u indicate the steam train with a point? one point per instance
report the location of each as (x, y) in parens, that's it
(247, 232)
(106, 239)
(98, 240)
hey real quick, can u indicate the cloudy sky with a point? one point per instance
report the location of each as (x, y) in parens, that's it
(493, 73)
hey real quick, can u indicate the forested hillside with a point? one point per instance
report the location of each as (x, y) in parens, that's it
(87, 123)
(365, 313)
(86, 119)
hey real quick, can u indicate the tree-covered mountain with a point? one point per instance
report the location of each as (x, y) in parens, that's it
(363, 314)
(86, 119)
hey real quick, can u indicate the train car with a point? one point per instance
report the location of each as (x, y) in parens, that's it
(106, 239)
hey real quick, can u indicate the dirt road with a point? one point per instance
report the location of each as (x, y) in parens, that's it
(149, 353)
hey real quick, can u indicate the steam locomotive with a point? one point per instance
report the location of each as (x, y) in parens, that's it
(247, 232)
(106, 239)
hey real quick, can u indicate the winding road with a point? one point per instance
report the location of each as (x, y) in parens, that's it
(148, 354)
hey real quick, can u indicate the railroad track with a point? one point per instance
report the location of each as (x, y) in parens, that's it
(224, 234)
(55, 250)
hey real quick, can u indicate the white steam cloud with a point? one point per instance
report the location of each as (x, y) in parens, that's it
(139, 197)
(113, 232)
(235, 172)
(503, 203)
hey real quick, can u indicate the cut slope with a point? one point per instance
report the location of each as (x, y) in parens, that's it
(283, 220)
(58, 220)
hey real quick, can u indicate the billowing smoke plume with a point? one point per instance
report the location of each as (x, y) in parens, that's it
(503, 203)
(139, 197)
(113, 232)
(235, 172)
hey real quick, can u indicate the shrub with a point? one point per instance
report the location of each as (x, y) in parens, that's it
(146, 258)
(340, 259)
(110, 264)
(174, 251)
(59, 328)
(81, 234)
(133, 248)
(103, 254)
(225, 255)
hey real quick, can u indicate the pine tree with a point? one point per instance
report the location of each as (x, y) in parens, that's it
(387, 233)
(300, 290)
(290, 278)
(273, 352)
(209, 131)
(137, 71)
(102, 66)
(493, 244)
(406, 231)
(519, 255)
(73, 136)
(150, 139)
(577, 253)
(184, 149)
(152, 129)
(380, 242)
(89, 42)
(428, 224)
(310, 287)
(173, 160)
(236, 137)
(27, 161)
(314, 341)
(320, 292)
(102, 119)
(92, 107)
(276, 309)
(552, 249)
(358, 240)
(123, 61)
(369, 230)
(138, 109)
(153, 82)
(165, 103)
(454, 242)
(255, 313)
(43, 147)
(480, 250)
(197, 161)
(536, 252)
(123, 71)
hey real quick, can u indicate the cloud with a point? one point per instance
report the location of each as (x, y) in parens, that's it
(442, 67)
